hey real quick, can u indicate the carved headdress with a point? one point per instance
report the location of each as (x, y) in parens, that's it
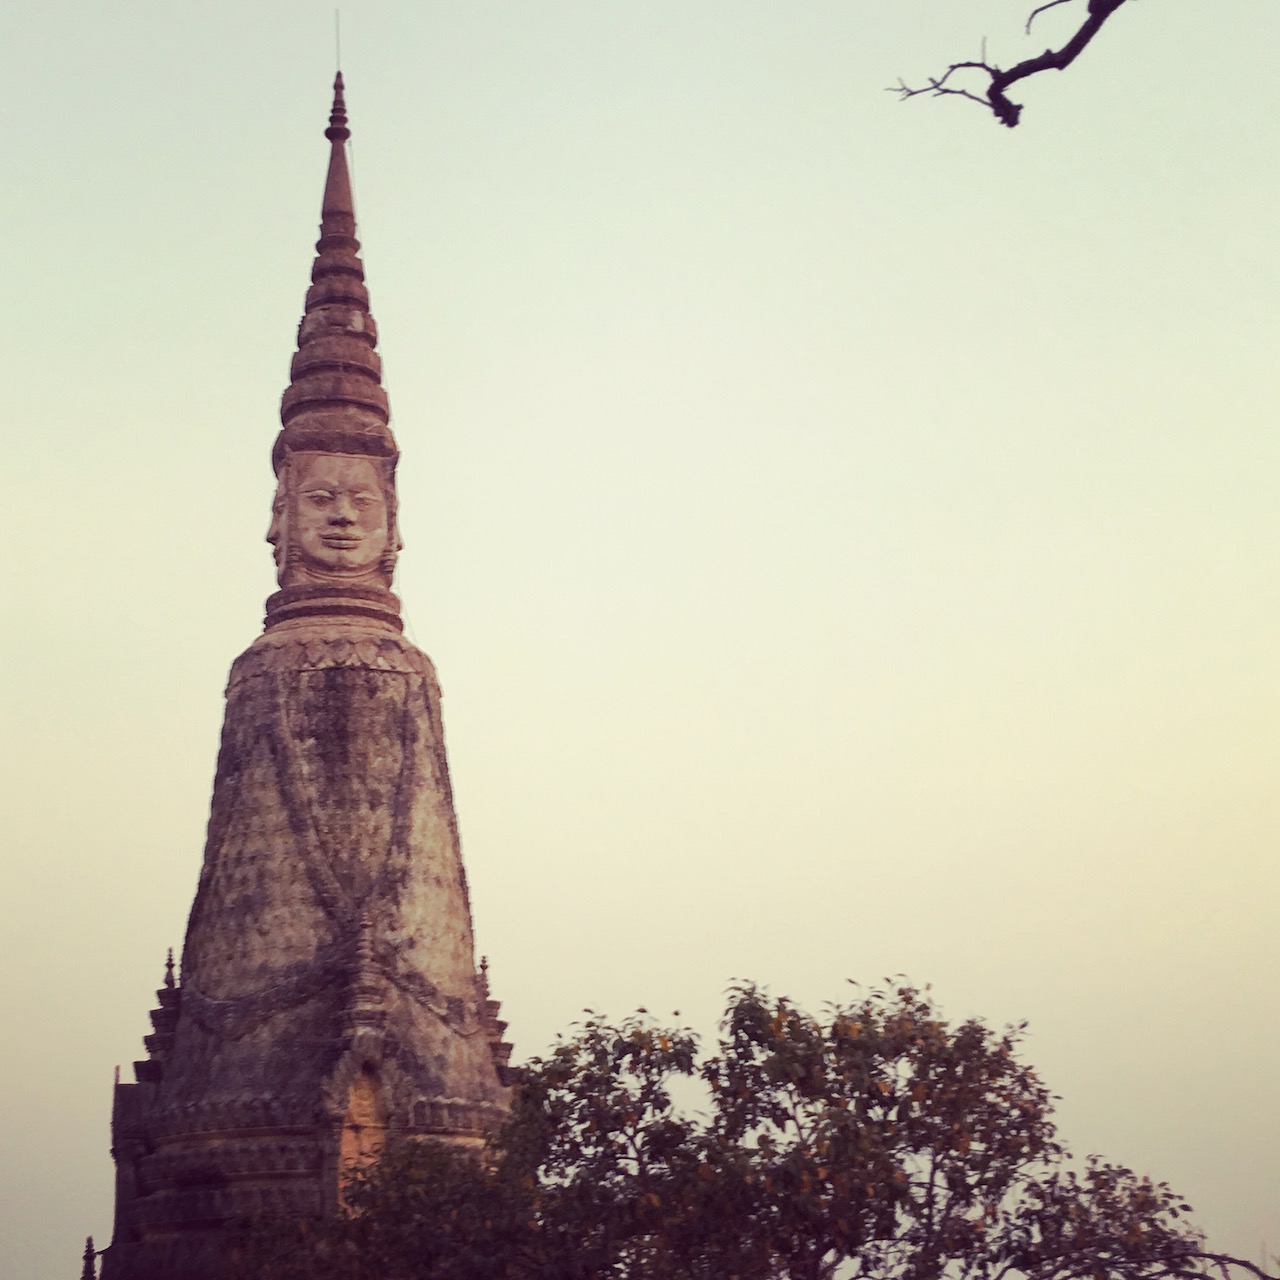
(333, 524)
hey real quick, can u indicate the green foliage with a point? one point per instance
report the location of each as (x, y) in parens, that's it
(877, 1140)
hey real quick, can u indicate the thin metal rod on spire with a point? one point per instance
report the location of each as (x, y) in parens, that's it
(337, 39)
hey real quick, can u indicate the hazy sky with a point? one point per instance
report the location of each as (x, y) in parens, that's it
(846, 531)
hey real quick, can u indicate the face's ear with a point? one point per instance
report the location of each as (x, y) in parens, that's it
(395, 544)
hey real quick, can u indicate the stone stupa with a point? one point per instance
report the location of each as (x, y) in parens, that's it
(329, 999)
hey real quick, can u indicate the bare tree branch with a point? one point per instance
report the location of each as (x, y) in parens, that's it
(1001, 79)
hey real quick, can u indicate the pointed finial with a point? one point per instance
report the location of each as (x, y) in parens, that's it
(168, 970)
(89, 1271)
(337, 130)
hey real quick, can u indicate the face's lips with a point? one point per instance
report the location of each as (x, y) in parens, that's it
(340, 541)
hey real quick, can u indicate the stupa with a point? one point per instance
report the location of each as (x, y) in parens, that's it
(329, 998)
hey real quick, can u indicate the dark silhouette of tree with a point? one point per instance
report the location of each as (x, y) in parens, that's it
(958, 78)
(875, 1141)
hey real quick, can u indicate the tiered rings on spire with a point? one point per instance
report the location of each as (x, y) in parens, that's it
(333, 525)
(335, 402)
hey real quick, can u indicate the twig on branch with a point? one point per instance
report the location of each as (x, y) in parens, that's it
(1035, 13)
(1001, 79)
(1225, 1262)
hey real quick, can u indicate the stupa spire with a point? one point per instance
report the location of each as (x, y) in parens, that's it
(335, 397)
(328, 1001)
(335, 408)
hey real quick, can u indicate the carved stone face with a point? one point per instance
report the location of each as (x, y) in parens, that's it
(338, 521)
(332, 520)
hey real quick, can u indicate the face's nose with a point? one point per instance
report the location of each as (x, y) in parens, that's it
(343, 510)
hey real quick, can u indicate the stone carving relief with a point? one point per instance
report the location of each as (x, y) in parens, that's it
(333, 521)
(271, 655)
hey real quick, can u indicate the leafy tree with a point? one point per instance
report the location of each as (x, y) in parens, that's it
(958, 78)
(877, 1140)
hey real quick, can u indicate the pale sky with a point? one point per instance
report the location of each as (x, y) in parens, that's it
(846, 530)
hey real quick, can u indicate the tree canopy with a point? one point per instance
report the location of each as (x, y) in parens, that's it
(874, 1140)
(959, 79)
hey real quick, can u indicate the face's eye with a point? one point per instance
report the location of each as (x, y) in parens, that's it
(364, 499)
(318, 497)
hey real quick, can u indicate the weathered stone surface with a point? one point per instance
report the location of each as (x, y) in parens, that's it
(332, 821)
(329, 999)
